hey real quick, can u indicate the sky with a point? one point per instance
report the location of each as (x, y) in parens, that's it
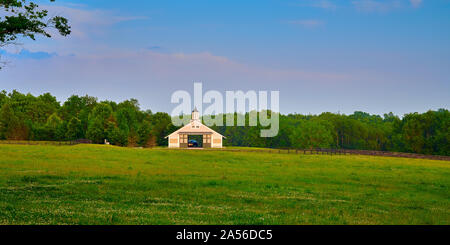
(377, 56)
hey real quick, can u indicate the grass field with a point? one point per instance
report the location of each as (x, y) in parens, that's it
(93, 184)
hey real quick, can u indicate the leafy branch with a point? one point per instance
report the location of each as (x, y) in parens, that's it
(21, 18)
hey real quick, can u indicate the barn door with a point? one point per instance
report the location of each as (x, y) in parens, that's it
(183, 141)
(207, 141)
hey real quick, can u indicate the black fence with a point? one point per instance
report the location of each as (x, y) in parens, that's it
(316, 151)
(331, 152)
(32, 142)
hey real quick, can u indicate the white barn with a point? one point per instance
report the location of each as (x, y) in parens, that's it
(179, 138)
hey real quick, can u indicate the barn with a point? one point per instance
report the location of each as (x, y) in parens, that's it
(182, 138)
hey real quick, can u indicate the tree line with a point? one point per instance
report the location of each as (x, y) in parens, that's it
(423, 133)
(28, 117)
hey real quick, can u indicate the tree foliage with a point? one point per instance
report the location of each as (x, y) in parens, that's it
(28, 117)
(22, 18)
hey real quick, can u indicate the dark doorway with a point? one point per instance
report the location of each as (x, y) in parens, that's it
(195, 141)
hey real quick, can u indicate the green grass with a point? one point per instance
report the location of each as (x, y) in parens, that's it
(93, 184)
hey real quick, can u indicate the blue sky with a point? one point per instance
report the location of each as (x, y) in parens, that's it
(322, 55)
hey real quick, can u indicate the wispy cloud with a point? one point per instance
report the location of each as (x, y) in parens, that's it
(154, 47)
(307, 23)
(362, 5)
(376, 6)
(144, 66)
(416, 3)
(323, 4)
(26, 54)
(384, 5)
(86, 22)
(151, 76)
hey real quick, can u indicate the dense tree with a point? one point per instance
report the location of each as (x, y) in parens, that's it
(162, 126)
(145, 134)
(115, 136)
(96, 130)
(3, 97)
(74, 129)
(8, 122)
(26, 117)
(55, 127)
(312, 134)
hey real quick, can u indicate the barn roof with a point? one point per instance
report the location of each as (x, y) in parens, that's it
(188, 129)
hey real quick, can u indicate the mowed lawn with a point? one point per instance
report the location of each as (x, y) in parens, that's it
(94, 184)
